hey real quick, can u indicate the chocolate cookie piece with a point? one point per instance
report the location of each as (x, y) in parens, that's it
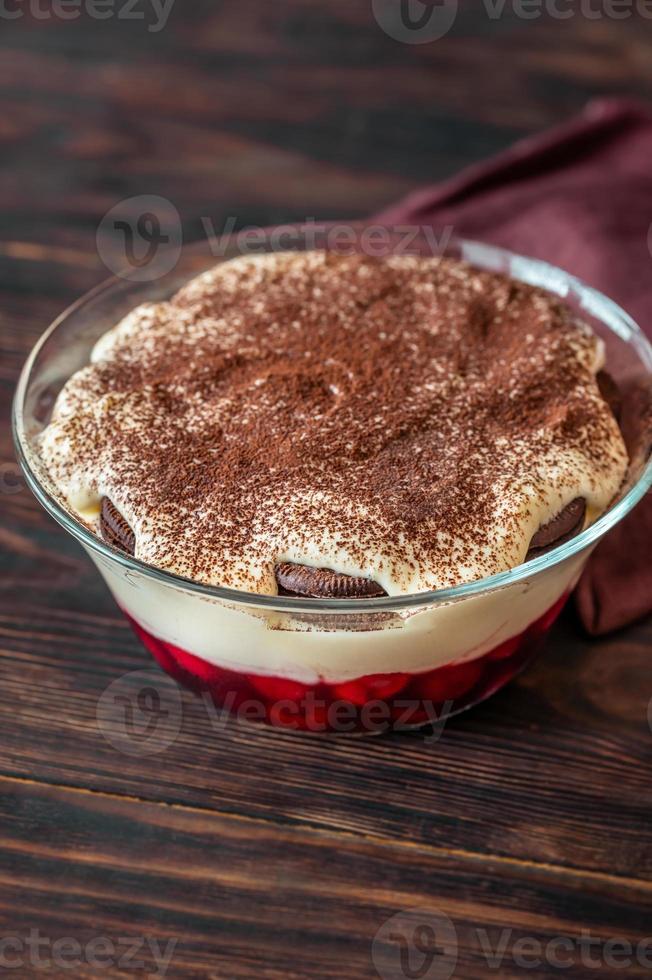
(561, 528)
(323, 583)
(115, 529)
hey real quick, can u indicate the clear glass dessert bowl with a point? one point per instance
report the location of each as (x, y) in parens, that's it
(329, 665)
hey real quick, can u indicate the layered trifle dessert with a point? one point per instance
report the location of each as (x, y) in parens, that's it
(342, 431)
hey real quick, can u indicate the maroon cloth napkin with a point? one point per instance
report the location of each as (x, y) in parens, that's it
(579, 196)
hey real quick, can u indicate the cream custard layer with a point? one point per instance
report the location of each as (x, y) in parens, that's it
(277, 644)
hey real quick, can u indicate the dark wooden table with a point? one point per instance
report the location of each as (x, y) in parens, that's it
(266, 854)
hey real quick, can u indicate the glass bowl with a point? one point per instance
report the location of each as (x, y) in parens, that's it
(329, 665)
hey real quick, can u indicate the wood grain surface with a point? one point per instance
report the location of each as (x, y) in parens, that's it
(254, 853)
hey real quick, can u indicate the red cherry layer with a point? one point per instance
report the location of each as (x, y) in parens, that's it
(372, 703)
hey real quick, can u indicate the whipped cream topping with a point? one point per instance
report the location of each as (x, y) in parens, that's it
(410, 420)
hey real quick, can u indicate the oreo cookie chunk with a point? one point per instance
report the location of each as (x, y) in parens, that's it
(116, 531)
(303, 581)
(561, 528)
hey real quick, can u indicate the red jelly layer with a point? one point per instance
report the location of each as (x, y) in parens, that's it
(372, 704)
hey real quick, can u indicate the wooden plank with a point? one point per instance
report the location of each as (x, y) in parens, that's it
(243, 898)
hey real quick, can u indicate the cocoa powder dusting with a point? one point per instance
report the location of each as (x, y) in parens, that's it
(408, 409)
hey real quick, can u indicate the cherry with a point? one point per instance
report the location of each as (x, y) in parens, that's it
(373, 687)
(450, 682)
(506, 649)
(195, 666)
(278, 688)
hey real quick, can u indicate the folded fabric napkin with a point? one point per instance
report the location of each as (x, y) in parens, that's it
(579, 196)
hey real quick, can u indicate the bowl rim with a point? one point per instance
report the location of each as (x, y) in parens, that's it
(474, 252)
